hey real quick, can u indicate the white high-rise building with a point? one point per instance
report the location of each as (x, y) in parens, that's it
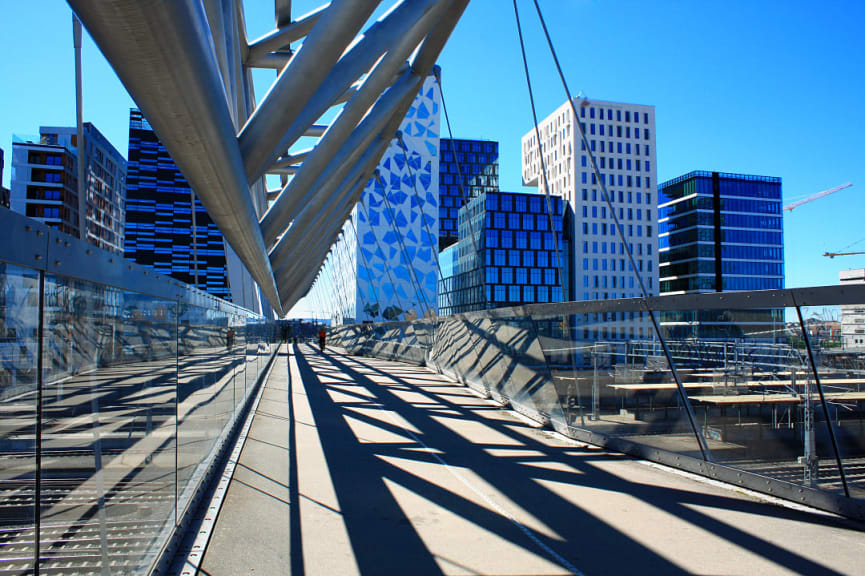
(853, 316)
(622, 139)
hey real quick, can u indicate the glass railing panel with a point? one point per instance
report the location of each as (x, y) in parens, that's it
(837, 338)
(19, 325)
(238, 357)
(205, 392)
(251, 354)
(513, 365)
(108, 436)
(753, 392)
(612, 377)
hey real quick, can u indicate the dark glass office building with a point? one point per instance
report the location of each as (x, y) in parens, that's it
(720, 232)
(516, 260)
(477, 162)
(159, 217)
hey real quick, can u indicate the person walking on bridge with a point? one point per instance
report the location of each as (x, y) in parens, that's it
(322, 336)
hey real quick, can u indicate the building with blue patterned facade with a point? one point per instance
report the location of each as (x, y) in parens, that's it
(467, 168)
(159, 231)
(507, 253)
(720, 232)
(384, 266)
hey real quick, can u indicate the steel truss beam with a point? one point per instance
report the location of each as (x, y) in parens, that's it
(187, 64)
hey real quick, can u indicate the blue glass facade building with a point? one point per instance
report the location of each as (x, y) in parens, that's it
(159, 217)
(477, 163)
(720, 232)
(516, 260)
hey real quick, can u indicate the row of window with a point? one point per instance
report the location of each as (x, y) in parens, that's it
(626, 133)
(623, 180)
(533, 276)
(520, 239)
(740, 267)
(690, 235)
(454, 144)
(526, 221)
(727, 205)
(707, 284)
(523, 294)
(627, 114)
(757, 188)
(612, 264)
(623, 213)
(605, 230)
(609, 148)
(618, 163)
(603, 248)
(615, 282)
(527, 258)
(734, 252)
(703, 218)
(45, 158)
(630, 196)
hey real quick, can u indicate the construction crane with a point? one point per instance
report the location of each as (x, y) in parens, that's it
(816, 196)
(833, 254)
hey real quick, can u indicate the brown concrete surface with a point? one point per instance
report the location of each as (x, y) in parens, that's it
(361, 466)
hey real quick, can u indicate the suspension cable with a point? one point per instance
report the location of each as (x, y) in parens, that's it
(433, 240)
(704, 448)
(460, 181)
(562, 279)
(411, 273)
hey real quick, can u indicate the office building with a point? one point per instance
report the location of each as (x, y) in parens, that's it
(467, 168)
(721, 232)
(384, 266)
(159, 223)
(852, 316)
(622, 139)
(45, 183)
(507, 253)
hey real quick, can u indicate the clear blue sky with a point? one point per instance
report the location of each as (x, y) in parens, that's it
(767, 87)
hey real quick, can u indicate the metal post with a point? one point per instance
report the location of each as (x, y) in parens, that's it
(829, 428)
(79, 115)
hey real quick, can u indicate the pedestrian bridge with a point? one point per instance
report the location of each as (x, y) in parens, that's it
(357, 465)
(509, 441)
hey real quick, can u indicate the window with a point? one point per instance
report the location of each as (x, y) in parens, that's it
(500, 293)
(550, 277)
(522, 276)
(535, 276)
(513, 293)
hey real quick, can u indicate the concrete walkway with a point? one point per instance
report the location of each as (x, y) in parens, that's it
(357, 465)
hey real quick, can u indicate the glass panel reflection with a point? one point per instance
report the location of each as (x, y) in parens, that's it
(108, 470)
(19, 325)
